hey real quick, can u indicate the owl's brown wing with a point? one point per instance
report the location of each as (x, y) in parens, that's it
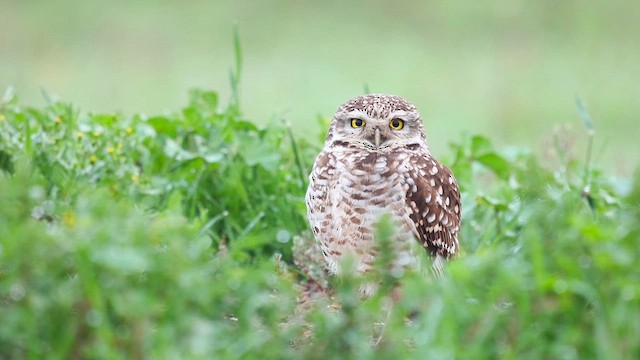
(434, 199)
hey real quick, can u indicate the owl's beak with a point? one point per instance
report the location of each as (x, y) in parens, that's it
(376, 137)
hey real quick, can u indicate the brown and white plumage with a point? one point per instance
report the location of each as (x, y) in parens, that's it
(376, 161)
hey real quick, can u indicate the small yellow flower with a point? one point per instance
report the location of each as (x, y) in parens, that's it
(69, 219)
(119, 146)
(93, 159)
(129, 131)
(96, 134)
(2, 117)
(110, 149)
(80, 134)
(58, 120)
(135, 178)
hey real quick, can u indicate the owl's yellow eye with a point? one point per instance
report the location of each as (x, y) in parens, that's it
(356, 123)
(396, 124)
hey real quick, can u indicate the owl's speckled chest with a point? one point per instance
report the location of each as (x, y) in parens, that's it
(355, 189)
(370, 180)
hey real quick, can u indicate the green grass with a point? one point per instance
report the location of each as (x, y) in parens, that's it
(183, 236)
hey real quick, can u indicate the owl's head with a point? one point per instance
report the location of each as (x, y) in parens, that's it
(376, 122)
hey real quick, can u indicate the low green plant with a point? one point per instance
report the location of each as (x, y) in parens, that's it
(245, 180)
(171, 237)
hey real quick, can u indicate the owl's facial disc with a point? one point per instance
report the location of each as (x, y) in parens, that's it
(380, 133)
(377, 122)
(374, 132)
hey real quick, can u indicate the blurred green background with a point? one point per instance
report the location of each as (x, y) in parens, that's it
(508, 69)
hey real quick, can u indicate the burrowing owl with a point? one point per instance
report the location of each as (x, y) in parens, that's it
(376, 161)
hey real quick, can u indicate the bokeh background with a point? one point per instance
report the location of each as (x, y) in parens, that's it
(509, 69)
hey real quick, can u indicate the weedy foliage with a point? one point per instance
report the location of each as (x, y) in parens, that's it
(171, 237)
(244, 180)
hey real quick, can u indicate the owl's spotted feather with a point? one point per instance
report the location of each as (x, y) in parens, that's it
(380, 169)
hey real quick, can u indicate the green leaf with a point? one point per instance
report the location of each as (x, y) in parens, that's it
(212, 157)
(495, 203)
(210, 98)
(121, 258)
(8, 96)
(164, 126)
(105, 120)
(262, 154)
(173, 150)
(496, 163)
(6, 163)
(480, 145)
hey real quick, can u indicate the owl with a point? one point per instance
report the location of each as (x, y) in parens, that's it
(376, 162)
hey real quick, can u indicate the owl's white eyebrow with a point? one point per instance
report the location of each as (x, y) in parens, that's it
(355, 114)
(400, 114)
